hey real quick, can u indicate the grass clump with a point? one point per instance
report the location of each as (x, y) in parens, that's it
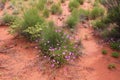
(8, 19)
(115, 45)
(46, 13)
(104, 52)
(28, 24)
(56, 9)
(41, 4)
(57, 46)
(80, 1)
(97, 12)
(111, 66)
(115, 54)
(73, 4)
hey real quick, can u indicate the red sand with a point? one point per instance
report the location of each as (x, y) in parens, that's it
(20, 60)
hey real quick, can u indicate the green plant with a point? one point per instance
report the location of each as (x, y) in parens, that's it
(3, 1)
(111, 66)
(104, 51)
(41, 4)
(71, 22)
(56, 9)
(97, 12)
(46, 13)
(115, 45)
(8, 19)
(80, 1)
(56, 46)
(28, 25)
(115, 54)
(62, 1)
(99, 24)
(73, 4)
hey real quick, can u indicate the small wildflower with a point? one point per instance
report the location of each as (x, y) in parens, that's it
(52, 65)
(63, 53)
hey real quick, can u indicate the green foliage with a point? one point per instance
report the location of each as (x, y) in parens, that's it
(104, 52)
(3, 1)
(56, 9)
(115, 54)
(115, 45)
(71, 22)
(46, 13)
(99, 24)
(28, 25)
(8, 19)
(73, 4)
(97, 12)
(56, 46)
(76, 16)
(80, 1)
(111, 66)
(34, 32)
(62, 1)
(41, 4)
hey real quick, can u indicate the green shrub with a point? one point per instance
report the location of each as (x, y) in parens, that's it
(56, 46)
(115, 54)
(46, 13)
(41, 4)
(104, 51)
(111, 66)
(96, 12)
(115, 45)
(3, 1)
(80, 1)
(99, 24)
(27, 26)
(76, 16)
(73, 4)
(62, 1)
(71, 22)
(8, 19)
(56, 9)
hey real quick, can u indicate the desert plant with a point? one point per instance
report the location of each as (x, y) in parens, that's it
(80, 1)
(46, 13)
(96, 12)
(56, 9)
(73, 4)
(115, 54)
(111, 66)
(8, 19)
(115, 45)
(56, 46)
(41, 4)
(104, 52)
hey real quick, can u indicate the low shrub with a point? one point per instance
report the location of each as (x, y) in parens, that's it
(104, 52)
(62, 1)
(46, 13)
(71, 22)
(57, 46)
(41, 4)
(8, 19)
(97, 12)
(115, 54)
(56, 9)
(28, 24)
(115, 45)
(80, 1)
(99, 24)
(111, 66)
(73, 4)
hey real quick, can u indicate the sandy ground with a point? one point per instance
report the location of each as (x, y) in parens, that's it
(20, 60)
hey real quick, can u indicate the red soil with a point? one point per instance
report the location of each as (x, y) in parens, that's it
(20, 60)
